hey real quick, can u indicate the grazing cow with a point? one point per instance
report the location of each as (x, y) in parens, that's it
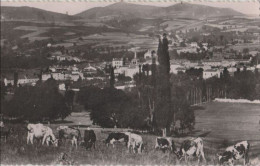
(66, 132)
(191, 148)
(135, 142)
(235, 152)
(89, 139)
(164, 143)
(116, 137)
(41, 131)
(5, 132)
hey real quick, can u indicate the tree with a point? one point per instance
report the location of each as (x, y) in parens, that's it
(69, 99)
(123, 78)
(38, 103)
(245, 51)
(112, 77)
(163, 110)
(3, 90)
(15, 79)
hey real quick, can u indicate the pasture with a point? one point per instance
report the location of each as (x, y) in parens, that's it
(222, 124)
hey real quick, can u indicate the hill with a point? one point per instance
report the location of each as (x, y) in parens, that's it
(181, 10)
(120, 9)
(32, 14)
(187, 10)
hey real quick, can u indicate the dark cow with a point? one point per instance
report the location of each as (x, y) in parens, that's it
(116, 137)
(89, 139)
(191, 148)
(235, 152)
(164, 143)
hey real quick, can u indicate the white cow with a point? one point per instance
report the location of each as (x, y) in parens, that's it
(135, 142)
(41, 131)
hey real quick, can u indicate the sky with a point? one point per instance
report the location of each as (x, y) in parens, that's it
(249, 7)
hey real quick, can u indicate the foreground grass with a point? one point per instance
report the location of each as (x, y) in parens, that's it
(226, 124)
(16, 151)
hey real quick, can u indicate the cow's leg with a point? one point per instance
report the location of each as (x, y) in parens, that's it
(72, 142)
(44, 138)
(199, 157)
(76, 143)
(185, 157)
(128, 147)
(203, 156)
(28, 138)
(246, 158)
(139, 149)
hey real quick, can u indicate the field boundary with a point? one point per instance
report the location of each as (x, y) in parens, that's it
(237, 101)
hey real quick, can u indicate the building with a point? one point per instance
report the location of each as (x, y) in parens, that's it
(117, 62)
(22, 79)
(194, 44)
(61, 58)
(74, 77)
(148, 54)
(58, 76)
(211, 73)
(187, 49)
(135, 61)
(46, 76)
(131, 71)
(212, 62)
(90, 70)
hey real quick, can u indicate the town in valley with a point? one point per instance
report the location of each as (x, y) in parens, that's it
(127, 70)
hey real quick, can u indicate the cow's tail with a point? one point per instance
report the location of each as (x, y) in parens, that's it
(246, 154)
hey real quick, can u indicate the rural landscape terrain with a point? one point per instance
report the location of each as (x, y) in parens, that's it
(181, 71)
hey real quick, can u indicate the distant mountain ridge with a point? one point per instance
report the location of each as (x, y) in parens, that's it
(120, 9)
(142, 11)
(30, 13)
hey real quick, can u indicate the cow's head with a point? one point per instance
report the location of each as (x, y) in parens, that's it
(55, 142)
(51, 139)
(178, 153)
(222, 158)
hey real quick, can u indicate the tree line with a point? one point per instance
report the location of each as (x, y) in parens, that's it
(42, 102)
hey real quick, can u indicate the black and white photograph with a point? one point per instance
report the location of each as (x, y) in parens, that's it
(130, 82)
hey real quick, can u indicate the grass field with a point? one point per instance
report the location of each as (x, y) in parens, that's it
(225, 123)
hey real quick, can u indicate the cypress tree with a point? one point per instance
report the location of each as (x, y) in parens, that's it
(163, 111)
(112, 77)
(15, 78)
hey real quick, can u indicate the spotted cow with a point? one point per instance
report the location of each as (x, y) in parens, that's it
(191, 148)
(116, 137)
(164, 143)
(235, 152)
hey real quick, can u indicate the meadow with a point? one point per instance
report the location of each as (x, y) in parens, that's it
(218, 124)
